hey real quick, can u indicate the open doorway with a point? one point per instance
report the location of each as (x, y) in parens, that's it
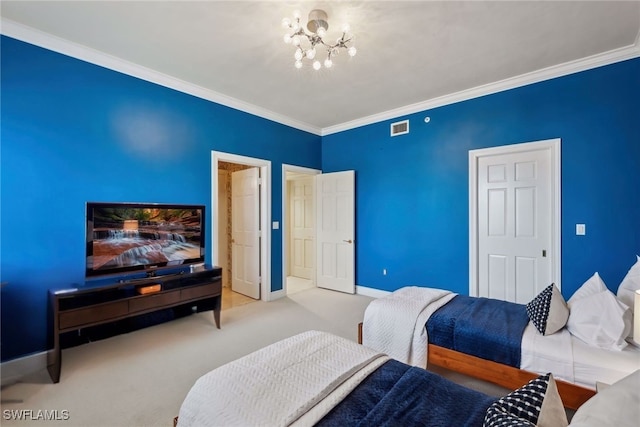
(298, 237)
(240, 217)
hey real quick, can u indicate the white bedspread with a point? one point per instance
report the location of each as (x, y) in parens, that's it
(395, 324)
(575, 361)
(277, 385)
(548, 353)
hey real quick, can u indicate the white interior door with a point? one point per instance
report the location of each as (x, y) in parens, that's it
(515, 225)
(245, 232)
(302, 227)
(223, 240)
(335, 235)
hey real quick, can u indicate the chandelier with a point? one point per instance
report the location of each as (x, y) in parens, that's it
(307, 42)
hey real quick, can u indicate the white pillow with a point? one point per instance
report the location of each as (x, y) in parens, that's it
(600, 320)
(592, 286)
(630, 284)
(618, 405)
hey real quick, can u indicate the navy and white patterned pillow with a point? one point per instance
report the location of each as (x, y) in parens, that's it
(497, 417)
(548, 311)
(537, 403)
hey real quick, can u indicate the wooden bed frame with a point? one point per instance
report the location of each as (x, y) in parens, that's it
(503, 375)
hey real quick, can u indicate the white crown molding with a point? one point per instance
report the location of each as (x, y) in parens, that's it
(57, 44)
(93, 56)
(583, 64)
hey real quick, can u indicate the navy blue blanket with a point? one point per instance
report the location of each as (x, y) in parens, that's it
(482, 327)
(397, 394)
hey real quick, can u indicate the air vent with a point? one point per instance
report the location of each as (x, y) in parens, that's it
(400, 128)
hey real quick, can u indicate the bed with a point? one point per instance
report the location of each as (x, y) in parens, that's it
(316, 378)
(514, 352)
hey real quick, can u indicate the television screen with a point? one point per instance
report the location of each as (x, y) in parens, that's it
(129, 237)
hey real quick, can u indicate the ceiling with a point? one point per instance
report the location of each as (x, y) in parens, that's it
(412, 55)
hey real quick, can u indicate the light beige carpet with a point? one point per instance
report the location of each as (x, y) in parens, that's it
(141, 378)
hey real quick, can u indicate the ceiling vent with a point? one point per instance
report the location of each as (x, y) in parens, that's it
(400, 128)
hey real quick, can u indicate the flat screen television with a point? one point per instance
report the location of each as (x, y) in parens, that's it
(124, 238)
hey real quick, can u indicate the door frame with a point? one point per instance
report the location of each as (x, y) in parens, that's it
(554, 148)
(285, 218)
(265, 213)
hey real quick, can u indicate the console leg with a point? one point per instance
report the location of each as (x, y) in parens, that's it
(54, 362)
(216, 310)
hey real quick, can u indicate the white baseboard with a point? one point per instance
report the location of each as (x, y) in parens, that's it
(274, 295)
(13, 370)
(371, 292)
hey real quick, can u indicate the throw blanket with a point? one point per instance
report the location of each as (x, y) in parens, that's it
(401, 395)
(487, 328)
(394, 324)
(278, 384)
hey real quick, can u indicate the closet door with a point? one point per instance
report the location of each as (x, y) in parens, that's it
(335, 232)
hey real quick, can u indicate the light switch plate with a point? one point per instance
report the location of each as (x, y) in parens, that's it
(581, 229)
(275, 225)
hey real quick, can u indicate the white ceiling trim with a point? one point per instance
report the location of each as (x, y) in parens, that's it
(75, 50)
(93, 56)
(583, 64)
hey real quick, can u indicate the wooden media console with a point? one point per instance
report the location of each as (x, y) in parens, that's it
(88, 305)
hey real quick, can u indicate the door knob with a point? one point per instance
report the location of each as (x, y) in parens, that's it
(348, 241)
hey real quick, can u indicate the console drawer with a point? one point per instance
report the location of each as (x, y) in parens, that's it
(93, 314)
(212, 289)
(152, 301)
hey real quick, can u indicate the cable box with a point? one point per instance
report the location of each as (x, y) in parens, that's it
(149, 289)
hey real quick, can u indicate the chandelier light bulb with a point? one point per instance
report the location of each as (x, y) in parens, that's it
(321, 32)
(298, 54)
(297, 14)
(352, 51)
(286, 22)
(298, 64)
(346, 28)
(287, 38)
(296, 40)
(311, 53)
(328, 63)
(316, 65)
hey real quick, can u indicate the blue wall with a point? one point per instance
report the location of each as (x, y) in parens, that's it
(412, 190)
(73, 132)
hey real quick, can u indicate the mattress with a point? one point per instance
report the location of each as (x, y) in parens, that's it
(573, 360)
(591, 364)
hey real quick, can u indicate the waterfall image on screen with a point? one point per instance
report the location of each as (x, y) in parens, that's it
(129, 236)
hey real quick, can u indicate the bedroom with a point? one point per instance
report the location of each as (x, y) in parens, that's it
(58, 153)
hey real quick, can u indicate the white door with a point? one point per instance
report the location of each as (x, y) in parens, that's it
(223, 240)
(302, 227)
(245, 232)
(515, 224)
(335, 235)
